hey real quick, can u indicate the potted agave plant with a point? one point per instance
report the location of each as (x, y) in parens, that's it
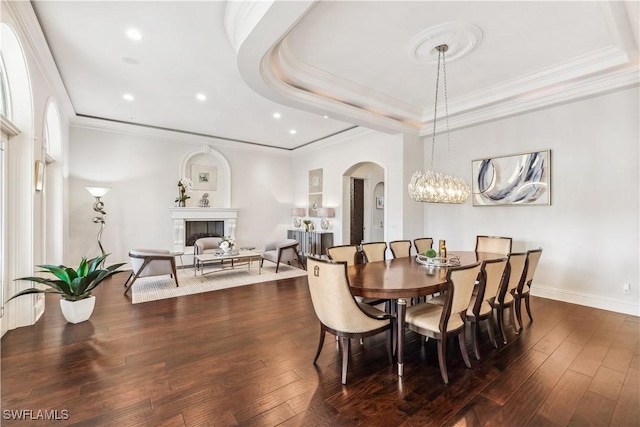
(74, 286)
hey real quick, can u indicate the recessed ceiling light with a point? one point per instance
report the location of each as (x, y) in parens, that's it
(201, 96)
(326, 117)
(292, 132)
(134, 34)
(128, 96)
(276, 115)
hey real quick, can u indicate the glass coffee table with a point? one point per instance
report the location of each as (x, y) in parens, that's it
(240, 257)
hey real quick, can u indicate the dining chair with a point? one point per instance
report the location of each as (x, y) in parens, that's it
(148, 263)
(493, 244)
(491, 273)
(422, 244)
(514, 274)
(374, 251)
(400, 248)
(339, 313)
(348, 254)
(522, 292)
(442, 321)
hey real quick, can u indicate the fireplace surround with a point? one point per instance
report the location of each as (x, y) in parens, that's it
(180, 217)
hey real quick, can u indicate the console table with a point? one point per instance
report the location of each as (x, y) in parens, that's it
(312, 242)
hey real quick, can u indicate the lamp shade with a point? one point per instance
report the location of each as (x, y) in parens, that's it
(98, 191)
(326, 212)
(298, 211)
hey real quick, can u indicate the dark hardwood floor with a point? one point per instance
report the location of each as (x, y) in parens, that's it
(243, 356)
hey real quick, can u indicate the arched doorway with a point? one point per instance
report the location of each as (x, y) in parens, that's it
(363, 199)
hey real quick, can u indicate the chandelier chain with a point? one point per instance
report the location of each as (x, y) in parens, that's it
(446, 109)
(435, 112)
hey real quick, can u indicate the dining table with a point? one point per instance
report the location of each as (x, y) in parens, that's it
(401, 279)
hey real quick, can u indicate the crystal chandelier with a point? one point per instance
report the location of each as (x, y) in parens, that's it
(435, 187)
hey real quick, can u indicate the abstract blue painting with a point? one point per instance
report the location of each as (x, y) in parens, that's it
(517, 179)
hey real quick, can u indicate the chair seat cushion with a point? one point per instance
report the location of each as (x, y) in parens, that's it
(485, 309)
(427, 316)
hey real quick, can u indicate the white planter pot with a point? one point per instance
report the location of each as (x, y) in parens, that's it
(77, 311)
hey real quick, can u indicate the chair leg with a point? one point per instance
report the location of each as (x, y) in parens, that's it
(442, 358)
(320, 344)
(513, 317)
(501, 324)
(463, 348)
(526, 303)
(475, 339)
(390, 345)
(127, 281)
(492, 336)
(518, 304)
(345, 358)
(131, 283)
(175, 273)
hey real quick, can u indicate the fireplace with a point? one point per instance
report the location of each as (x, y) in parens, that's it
(195, 230)
(192, 223)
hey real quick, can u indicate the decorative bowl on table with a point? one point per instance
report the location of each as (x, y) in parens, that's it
(438, 261)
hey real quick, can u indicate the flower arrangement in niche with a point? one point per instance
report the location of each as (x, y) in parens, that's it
(184, 186)
(226, 243)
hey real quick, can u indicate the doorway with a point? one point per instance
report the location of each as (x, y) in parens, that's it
(362, 186)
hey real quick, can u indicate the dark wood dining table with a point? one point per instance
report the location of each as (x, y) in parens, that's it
(401, 279)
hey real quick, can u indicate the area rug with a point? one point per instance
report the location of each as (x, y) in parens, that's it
(160, 287)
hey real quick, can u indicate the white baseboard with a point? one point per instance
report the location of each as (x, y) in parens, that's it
(581, 298)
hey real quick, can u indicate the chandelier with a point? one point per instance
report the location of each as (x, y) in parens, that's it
(431, 186)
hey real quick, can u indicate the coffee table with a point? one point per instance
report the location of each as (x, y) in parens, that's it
(241, 256)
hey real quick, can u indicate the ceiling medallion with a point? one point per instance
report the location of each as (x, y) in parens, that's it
(460, 37)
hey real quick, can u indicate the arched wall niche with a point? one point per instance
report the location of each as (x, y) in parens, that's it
(210, 173)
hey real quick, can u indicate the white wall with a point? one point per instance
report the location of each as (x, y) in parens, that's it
(590, 233)
(143, 171)
(338, 154)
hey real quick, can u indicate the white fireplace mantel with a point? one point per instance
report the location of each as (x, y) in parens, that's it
(181, 215)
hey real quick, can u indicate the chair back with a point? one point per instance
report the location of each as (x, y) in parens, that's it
(344, 253)
(158, 262)
(461, 280)
(375, 251)
(204, 243)
(515, 274)
(493, 272)
(423, 244)
(533, 257)
(493, 244)
(400, 248)
(332, 299)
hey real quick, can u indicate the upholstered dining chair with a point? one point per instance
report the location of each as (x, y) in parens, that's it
(492, 273)
(400, 248)
(522, 291)
(150, 262)
(493, 244)
(348, 254)
(513, 275)
(338, 311)
(281, 251)
(442, 321)
(422, 244)
(374, 251)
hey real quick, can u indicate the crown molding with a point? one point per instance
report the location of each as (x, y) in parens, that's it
(174, 135)
(35, 42)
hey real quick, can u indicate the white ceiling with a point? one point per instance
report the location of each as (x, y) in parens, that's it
(347, 60)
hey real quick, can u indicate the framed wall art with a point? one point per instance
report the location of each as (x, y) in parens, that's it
(512, 180)
(204, 177)
(315, 181)
(315, 202)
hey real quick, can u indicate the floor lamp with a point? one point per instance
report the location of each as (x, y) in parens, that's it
(98, 206)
